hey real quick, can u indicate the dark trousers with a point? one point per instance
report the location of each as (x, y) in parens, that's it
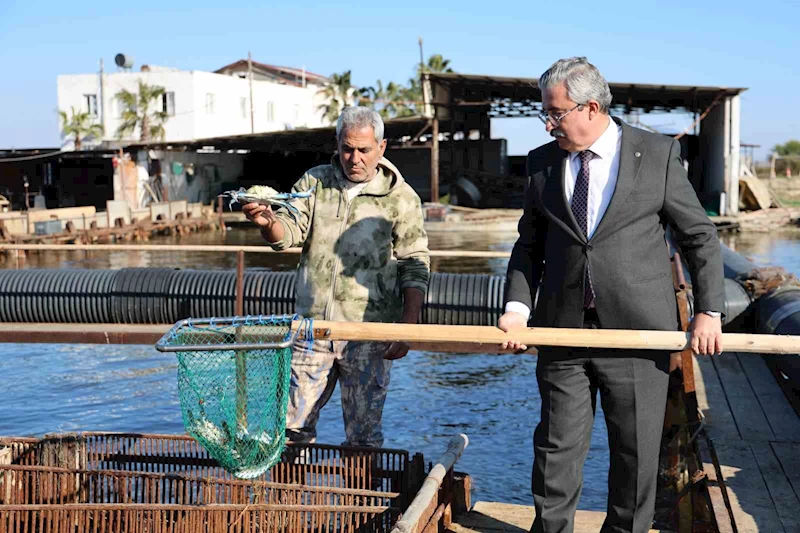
(633, 393)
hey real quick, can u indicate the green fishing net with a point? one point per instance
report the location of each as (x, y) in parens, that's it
(233, 384)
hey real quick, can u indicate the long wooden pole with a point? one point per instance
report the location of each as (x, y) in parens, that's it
(467, 339)
(216, 248)
(672, 341)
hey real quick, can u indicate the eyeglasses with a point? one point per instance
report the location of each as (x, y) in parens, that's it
(555, 121)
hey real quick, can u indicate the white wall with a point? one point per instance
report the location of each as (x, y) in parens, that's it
(226, 117)
(275, 107)
(71, 91)
(179, 126)
(292, 107)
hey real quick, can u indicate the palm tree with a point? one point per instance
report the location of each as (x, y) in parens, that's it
(80, 125)
(388, 100)
(411, 100)
(413, 94)
(436, 63)
(143, 110)
(339, 94)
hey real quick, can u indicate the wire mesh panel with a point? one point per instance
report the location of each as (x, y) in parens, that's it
(40, 485)
(242, 518)
(306, 463)
(233, 385)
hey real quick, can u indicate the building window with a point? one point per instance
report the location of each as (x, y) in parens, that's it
(270, 111)
(243, 105)
(209, 103)
(91, 104)
(168, 103)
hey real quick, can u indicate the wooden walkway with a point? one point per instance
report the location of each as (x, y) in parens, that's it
(490, 517)
(754, 434)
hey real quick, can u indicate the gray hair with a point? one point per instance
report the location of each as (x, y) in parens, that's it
(581, 79)
(360, 117)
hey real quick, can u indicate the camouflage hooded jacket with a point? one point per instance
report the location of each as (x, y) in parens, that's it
(358, 255)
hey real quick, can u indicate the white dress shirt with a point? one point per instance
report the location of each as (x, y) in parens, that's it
(603, 171)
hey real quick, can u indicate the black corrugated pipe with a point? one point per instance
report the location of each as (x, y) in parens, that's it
(737, 299)
(778, 312)
(734, 263)
(161, 295)
(56, 295)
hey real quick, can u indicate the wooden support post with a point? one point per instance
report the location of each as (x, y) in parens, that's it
(240, 283)
(221, 220)
(452, 116)
(241, 355)
(685, 362)
(435, 160)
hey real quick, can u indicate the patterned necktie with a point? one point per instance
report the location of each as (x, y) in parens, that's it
(580, 208)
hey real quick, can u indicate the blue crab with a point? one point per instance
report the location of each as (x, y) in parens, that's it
(265, 195)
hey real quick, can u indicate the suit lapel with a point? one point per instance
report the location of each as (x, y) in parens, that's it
(630, 161)
(554, 198)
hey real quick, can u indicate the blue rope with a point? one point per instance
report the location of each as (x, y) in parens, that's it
(306, 328)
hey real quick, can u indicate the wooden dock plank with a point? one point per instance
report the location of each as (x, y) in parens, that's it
(751, 504)
(750, 418)
(780, 489)
(780, 414)
(722, 517)
(491, 517)
(712, 402)
(788, 453)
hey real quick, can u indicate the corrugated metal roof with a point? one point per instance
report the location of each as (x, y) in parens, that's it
(293, 140)
(484, 89)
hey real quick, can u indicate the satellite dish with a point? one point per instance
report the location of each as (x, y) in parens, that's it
(123, 61)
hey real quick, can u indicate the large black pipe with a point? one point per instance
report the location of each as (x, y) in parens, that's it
(163, 296)
(737, 299)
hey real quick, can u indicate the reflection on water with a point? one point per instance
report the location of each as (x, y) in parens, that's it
(493, 399)
(777, 248)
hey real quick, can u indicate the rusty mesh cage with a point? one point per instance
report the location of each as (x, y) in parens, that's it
(130, 482)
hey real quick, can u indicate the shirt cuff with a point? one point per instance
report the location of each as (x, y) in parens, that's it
(712, 314)
(519, 307)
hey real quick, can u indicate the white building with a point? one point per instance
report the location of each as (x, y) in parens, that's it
(201, 104)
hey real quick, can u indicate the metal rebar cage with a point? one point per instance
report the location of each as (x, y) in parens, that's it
(120, 482)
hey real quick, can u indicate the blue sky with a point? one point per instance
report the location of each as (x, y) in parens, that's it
(733, 43)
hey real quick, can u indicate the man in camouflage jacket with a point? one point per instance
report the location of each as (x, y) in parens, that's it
(365, 259)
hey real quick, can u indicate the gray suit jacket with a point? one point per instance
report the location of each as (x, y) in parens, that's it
(627, 253)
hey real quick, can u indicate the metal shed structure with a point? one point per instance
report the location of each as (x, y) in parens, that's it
(451, 146)
(467, 103)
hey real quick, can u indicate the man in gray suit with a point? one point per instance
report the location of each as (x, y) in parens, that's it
(592, 241)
